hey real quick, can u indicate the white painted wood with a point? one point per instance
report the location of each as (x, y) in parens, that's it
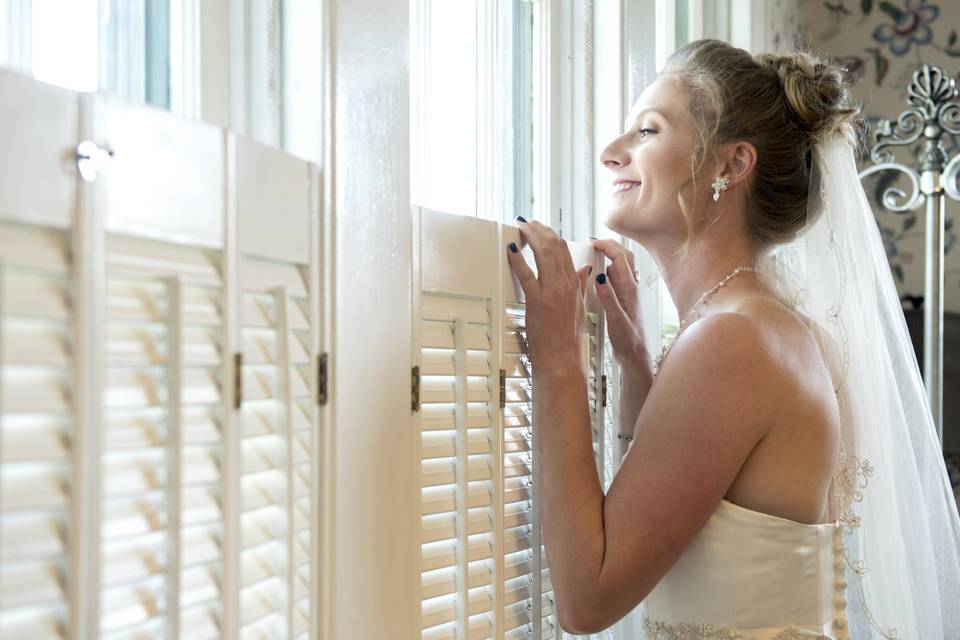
(367, 204)
(122, 305)
(175, 467)
(40, 134)
(277, 278)
(273, 201)
(154, 151)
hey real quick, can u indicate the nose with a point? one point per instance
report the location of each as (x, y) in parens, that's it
(613, 156)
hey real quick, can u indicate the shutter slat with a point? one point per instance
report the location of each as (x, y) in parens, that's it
(37, 323)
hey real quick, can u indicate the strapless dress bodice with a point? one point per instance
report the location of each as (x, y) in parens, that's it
(752, 575)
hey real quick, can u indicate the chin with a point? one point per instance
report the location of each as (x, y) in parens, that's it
(628, 219)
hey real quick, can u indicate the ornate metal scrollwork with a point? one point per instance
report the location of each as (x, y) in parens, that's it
(933, 112)
(892, 194)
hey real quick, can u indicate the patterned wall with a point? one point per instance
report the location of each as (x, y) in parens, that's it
(882, 44)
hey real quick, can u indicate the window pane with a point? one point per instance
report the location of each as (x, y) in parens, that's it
(449, 89)
(65, 43)
(118, 46)
(473, 101)
(521, 177)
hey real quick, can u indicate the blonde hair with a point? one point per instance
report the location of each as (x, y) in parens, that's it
(782, 105)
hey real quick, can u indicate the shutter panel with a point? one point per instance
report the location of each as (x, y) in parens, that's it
(484, 570)
(528, 596)
(38, 425)
(458, 417)
(163, 421)
(278, 316)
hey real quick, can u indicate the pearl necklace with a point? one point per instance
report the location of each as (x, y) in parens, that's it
(663, 352)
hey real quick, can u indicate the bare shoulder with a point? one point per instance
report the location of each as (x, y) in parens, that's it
(759, 361)
(797, 339)
(723, 379)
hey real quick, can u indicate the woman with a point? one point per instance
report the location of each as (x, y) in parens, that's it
(737, 513)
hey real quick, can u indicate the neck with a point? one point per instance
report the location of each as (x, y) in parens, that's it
(689, 277)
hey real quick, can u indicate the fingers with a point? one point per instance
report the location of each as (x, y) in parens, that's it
(583, 275)
(532, 234)
(620, 274)
(619, 323)
(550, 251)
(520, 268)
(615, 251)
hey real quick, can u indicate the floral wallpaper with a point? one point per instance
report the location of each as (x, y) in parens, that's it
(882, 44)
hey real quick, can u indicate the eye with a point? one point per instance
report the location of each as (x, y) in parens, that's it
(646, 131)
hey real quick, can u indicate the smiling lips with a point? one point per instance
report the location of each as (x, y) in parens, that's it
(623, 187)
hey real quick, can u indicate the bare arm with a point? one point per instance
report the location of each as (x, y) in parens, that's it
(694, 432)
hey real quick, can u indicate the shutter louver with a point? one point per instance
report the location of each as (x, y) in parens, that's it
(275, 524)
(162, 524)
(483, 565)
(456, 332)
(278, 280)
(528, 600)
(457, 390)
(36, 312)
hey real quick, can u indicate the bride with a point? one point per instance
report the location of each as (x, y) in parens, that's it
(784, 479)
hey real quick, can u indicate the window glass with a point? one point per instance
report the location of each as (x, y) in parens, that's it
(460, 47)
(119, 46)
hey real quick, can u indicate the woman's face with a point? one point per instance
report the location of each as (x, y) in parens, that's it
(654, 153)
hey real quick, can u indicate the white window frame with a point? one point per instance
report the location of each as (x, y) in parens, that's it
(16, 29)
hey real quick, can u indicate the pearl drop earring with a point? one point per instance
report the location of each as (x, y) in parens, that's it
(720, 184)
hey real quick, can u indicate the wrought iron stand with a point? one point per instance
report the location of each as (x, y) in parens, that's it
(933, 113)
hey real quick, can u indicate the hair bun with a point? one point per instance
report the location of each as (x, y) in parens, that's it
(816, 92)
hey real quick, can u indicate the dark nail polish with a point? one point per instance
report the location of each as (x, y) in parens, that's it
(590, 270)
(513, 247)
(602, 278)
(521, 218)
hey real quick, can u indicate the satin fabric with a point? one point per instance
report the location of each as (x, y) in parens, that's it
(755, 575)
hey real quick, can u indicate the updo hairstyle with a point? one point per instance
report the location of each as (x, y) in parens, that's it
(782, 105)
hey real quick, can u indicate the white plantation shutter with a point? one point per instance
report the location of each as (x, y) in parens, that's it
(127, 477)
(278, 319)
(483, 568)
(37, 427)
(163, 406)
(38, 324)
(458, 418)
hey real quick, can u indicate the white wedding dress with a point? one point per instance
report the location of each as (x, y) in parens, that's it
(752, 575)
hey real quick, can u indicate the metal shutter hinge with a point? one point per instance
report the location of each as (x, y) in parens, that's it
(415, 389)
(322, 379)
(237, 380)
(503, 388)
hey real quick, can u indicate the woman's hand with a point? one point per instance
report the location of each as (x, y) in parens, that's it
(554, 297)
(619, 299)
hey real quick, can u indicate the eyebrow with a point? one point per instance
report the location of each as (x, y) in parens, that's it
(627, 122)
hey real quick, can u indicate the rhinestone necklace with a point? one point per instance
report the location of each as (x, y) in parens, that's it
(683, 325)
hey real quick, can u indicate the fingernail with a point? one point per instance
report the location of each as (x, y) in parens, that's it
(602, 278)
(513, 247)
(521, 218)
(590, 270)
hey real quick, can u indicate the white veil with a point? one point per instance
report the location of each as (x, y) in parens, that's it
(901, 531)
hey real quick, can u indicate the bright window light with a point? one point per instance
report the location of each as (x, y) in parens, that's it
(65, 43)
(451, 110)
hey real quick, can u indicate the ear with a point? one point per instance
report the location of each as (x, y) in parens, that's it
(740, 161)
